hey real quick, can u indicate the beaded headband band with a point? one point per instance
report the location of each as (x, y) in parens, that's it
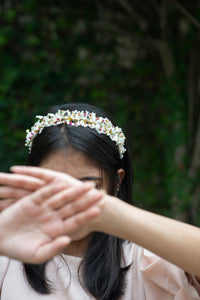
(77, 118)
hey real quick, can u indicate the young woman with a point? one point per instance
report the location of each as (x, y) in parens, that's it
(107, 257)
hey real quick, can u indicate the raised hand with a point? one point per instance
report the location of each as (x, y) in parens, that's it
(37, 227)
(14, 187)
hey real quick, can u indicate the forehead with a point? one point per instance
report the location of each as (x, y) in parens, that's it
(75, 164)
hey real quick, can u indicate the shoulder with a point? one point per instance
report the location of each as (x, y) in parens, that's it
(150, 264)
(159, 278)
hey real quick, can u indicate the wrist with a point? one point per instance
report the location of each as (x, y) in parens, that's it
(103, 221)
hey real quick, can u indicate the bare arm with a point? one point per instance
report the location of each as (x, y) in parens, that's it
(172, 240)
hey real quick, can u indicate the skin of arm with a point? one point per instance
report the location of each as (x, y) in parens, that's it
(172, 240)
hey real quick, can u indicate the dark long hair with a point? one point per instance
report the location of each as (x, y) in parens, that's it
(103, 275)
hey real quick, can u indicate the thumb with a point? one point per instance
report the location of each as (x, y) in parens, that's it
(51, 249)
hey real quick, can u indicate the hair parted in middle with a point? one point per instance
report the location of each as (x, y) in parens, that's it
(103, 274)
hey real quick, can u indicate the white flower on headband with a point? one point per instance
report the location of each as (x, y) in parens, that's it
(77, 118)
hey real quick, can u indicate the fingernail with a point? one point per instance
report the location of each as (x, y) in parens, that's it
(15, 167)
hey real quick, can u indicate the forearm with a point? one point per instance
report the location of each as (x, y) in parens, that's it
(172, 240)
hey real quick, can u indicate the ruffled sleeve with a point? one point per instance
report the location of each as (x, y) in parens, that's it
(163, 280)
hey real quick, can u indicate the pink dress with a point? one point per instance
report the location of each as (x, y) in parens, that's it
(149, 278)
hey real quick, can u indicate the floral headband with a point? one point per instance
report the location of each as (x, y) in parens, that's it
(77, 118)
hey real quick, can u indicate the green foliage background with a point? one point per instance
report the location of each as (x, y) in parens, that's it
(131, 60)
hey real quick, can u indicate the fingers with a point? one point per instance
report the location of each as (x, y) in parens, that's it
(12, 193)
(77, 221)
(20, 181)
(83, 203)
(44, 174)
(45, 193)
(49, 250)
(34, 171)
(68, 195)
(6, 203)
